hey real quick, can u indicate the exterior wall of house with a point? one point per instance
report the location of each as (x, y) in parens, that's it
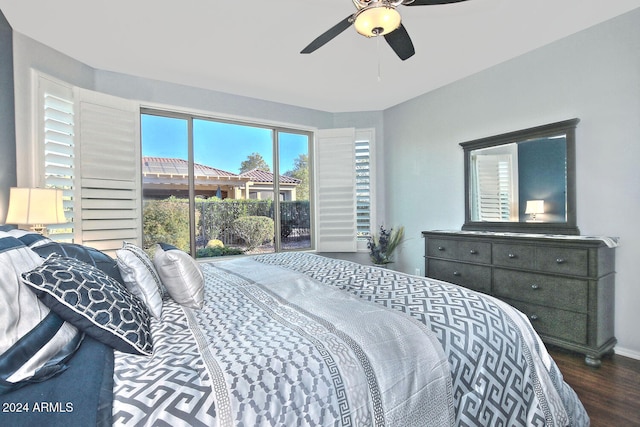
(593, 75)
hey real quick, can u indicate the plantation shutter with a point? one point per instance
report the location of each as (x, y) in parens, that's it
(363, 185)
(110, 208)
(495, 185)
(57, 121)
(335, 186)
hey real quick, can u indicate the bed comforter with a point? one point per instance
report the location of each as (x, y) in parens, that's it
(299, 339)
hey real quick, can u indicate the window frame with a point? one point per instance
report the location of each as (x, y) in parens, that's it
(276, 129)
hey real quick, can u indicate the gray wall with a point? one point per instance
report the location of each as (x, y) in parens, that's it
(7, 117)
(593, 75)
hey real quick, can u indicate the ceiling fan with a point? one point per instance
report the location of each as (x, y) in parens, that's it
(377, 18)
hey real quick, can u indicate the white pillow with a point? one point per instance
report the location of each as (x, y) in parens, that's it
(180, 274)
(140, 277)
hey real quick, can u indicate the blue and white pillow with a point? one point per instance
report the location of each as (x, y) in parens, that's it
(94, 302)
(29, 238)
(180, 275)
(35, 343)
(83, 253)
(140, 276)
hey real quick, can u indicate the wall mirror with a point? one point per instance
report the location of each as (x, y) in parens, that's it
(522, 181)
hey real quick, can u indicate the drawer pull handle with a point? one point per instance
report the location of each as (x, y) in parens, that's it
(561, 260)
(535, 286)
(473, 252)
(512, 256)
(441, 248)
(533, 317)
(456, 273)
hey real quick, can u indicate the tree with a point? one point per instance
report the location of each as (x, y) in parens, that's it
(301, 171)
(254, 161)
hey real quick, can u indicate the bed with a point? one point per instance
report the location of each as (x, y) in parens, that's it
(299, 339)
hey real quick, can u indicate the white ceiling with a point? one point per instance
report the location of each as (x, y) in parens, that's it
(252, 47)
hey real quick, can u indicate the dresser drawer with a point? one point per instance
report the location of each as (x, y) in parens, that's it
(561, 324)
(442, 248)
(473, 251)
(516, 256)
(461, 250)
(563, 260)
(550, 291)
(476, 277)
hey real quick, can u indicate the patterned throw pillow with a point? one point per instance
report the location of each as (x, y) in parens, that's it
(83, 253)
(140, 277)
(35, 343)
(180, 274)
(93, 302)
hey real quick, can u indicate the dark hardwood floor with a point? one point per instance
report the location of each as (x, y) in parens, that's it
(610, 393)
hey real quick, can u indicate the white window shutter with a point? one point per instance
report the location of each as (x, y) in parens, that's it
(335, 186)
(364, 185)
(56, 132)
(110, 209)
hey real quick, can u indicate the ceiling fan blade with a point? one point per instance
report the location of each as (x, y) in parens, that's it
(400, 42)
(431, 2)
(328, 35)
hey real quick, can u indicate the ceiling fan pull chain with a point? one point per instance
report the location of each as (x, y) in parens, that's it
(378, 54)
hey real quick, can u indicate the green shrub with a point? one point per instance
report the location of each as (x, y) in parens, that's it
(254, 230)
(166, 221)
(209, 252)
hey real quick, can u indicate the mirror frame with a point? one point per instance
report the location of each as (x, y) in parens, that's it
(567, 127)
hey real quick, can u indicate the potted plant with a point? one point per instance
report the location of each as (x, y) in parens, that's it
(381, 247)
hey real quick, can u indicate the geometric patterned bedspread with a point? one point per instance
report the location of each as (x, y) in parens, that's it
(501, 371)
(272, 347)
(298, 339)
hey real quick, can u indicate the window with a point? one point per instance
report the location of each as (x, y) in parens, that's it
(101, 187)
(346, 196)
(201, 176)
(57, 144)
(363, 188)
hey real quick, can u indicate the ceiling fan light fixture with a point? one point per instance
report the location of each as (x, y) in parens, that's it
(377, 19)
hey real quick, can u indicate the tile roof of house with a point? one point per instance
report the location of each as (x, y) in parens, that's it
(171, 166)
(259, 175)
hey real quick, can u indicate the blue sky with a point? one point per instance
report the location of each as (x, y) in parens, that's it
(221, 145)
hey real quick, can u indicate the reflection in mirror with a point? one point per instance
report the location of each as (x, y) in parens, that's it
(522, 181)
(505, 177)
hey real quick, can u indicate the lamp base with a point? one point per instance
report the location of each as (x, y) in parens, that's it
(39, 228)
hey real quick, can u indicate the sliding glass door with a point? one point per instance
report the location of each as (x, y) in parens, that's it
(295, 189)
(210, 186)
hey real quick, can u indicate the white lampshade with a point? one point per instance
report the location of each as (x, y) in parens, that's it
(534, 207)
(377, 20)
(35, 206)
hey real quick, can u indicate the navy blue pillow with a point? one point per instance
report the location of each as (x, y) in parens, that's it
(91, 256)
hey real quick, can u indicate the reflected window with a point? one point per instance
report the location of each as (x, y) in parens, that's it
(495, 183)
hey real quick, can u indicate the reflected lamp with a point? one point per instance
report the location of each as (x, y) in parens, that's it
(533, 208)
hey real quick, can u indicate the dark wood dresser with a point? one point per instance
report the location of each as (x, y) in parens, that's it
(564, 284)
